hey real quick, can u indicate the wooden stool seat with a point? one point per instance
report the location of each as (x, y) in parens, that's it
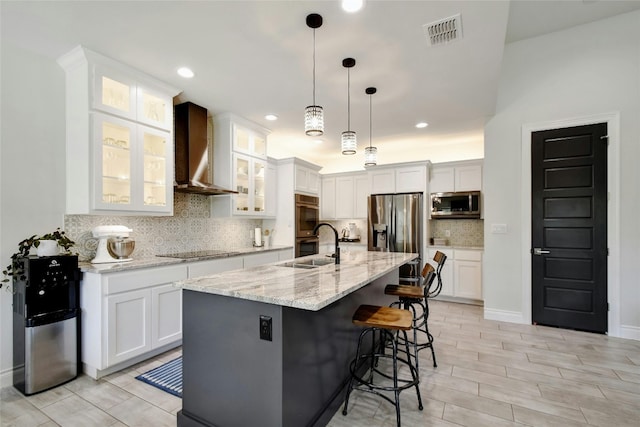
(373, 316)
(405, 291)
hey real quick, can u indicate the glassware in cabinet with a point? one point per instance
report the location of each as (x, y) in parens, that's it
(156, 163)
(154, 109)
(115, 165)
(259, 170)
(114, 93)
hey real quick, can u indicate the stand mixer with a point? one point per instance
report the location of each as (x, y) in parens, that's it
(103, 233)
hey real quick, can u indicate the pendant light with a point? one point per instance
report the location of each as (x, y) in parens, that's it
(313, 114)
(370, 153)
(349, 142)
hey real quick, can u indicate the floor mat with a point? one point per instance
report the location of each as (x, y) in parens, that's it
(167, 377)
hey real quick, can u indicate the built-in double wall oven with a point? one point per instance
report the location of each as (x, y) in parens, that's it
(307, 217)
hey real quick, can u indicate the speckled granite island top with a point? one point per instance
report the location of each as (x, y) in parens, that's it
(308, 289)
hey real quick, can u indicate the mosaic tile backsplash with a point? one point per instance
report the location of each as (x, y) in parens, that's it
(463, 232)
(190, 229)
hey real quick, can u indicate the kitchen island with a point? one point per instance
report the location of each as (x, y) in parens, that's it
(232, 377)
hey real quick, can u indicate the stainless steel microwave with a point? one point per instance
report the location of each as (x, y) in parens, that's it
(455, 205)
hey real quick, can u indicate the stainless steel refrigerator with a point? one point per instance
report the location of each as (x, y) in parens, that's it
(395, 225)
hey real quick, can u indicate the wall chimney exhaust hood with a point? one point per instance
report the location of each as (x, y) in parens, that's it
(193, 174)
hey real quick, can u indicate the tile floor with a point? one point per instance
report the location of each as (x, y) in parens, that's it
(489, 374)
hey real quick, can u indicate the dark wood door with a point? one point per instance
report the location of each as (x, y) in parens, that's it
(569, 227)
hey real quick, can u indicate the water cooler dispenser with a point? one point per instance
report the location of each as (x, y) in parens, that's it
(45, 322)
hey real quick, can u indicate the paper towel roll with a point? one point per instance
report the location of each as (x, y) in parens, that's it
(258, 236)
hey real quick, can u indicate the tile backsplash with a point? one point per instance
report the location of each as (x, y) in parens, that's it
(463, 232)
(190, 229)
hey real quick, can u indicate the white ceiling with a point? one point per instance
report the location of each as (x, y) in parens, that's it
(254, 58)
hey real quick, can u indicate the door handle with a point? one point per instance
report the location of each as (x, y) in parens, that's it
(540, 251)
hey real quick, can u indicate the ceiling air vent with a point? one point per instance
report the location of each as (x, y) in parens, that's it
(443, 31)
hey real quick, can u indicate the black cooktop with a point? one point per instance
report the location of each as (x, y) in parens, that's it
(197, 254)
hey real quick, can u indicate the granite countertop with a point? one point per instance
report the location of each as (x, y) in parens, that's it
(308, 289)
(157, 261)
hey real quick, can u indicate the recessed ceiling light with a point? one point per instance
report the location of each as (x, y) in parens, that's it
(422, 125)
(271, 117)
(185, 72)
(352, 5)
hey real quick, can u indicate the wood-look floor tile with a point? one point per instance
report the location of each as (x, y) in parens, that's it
(468, 417)
(501, 335)
(570, 412)
(535, 418)
(612, 382)
(476, 344)
(632, 398)
(624, 367)
(610, 418)
(583, 401)
(627, 376)
(429, 381)
(520, 362)
(497, 380)
(471, 401)
(535, 378)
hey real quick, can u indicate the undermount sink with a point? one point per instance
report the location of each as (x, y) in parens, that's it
(310, 263)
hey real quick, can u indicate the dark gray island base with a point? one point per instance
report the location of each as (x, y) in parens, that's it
(233, 378)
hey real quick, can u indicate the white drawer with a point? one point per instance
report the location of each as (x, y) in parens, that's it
(143, 278)
(465, 255)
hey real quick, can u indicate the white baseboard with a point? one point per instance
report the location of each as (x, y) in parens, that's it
(630, 332)
(503, 315)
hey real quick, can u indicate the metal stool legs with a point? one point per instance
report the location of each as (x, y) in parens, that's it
(420, 324)
(365, 382)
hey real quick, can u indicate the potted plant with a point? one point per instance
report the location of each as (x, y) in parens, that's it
(54, 242)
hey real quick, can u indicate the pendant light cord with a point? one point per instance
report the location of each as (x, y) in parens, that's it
(314, 66)
(369, 121)
(349, 99)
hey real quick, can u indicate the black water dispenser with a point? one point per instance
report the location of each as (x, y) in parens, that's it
(46, 306)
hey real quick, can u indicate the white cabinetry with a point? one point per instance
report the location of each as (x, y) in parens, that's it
(307, 180)
(401, 178)
(344, 196)
(119, 138)
(129, 316)
(328, 198)
(459, 176)
(240, 163)
(462, 273)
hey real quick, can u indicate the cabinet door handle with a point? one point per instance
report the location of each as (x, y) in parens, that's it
(540, 251)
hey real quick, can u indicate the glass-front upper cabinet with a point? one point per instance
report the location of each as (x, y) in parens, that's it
(131, 166)
(118, 94)
(249, 142)
(250, 184)
(119, 148)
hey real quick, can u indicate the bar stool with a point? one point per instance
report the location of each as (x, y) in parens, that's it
(409, 298)
(383, 320)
